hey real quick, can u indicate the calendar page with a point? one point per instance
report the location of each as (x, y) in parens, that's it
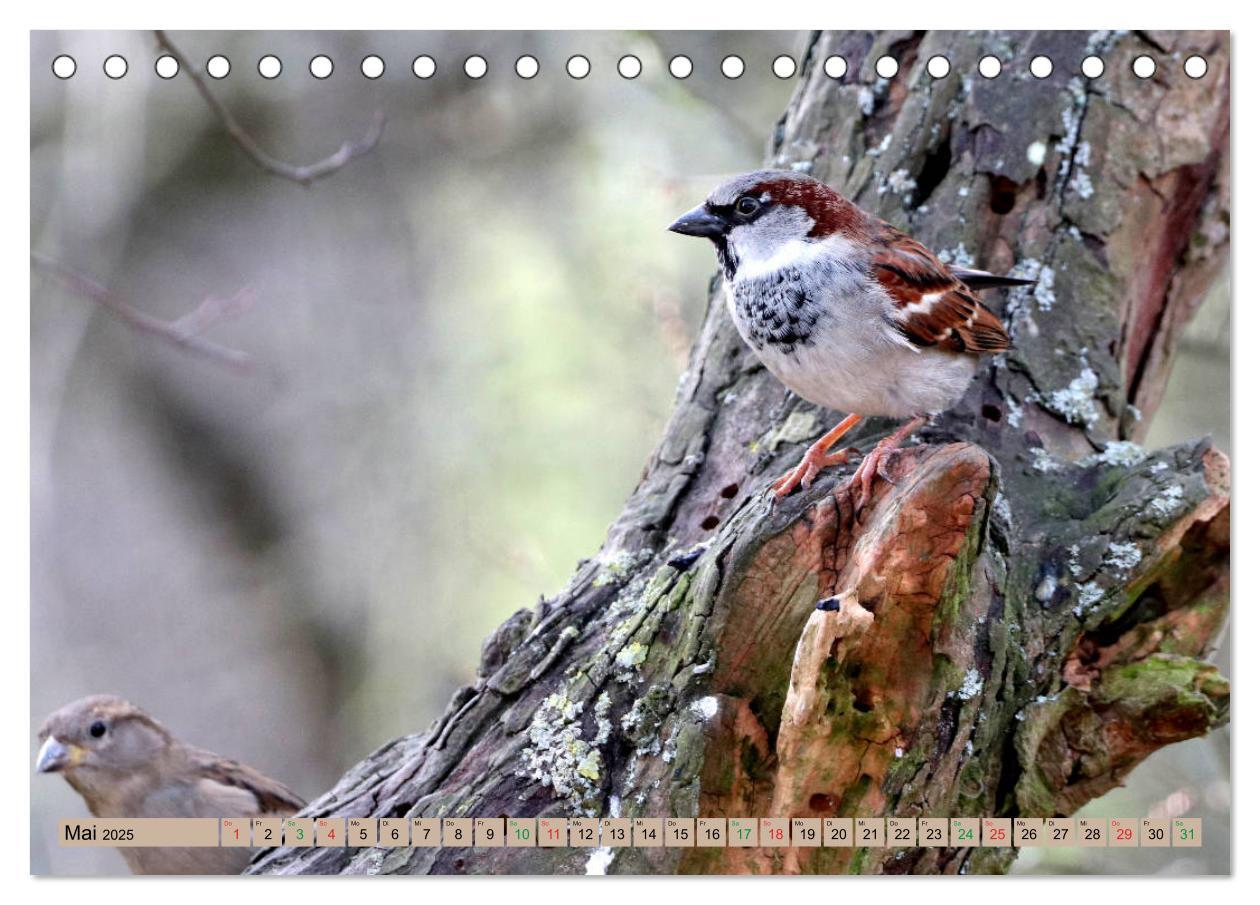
(630, 452)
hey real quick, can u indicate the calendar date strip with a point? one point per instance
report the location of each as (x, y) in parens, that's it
(636, 832)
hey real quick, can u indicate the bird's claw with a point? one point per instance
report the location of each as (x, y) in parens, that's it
(807, 470)
(875, 464)
(882, 466)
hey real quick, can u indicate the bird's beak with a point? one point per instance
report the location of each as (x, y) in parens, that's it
(54, 756)
(699, 222)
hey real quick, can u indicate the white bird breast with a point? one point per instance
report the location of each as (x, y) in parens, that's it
(856, 361)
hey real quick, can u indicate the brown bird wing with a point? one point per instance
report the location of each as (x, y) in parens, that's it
(272, 797)
(933, 307)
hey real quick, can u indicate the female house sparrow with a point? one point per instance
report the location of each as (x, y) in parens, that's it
(126, 764)
(846, 310)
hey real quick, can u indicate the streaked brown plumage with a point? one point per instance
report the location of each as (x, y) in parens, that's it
(124, 763)
(936, 306)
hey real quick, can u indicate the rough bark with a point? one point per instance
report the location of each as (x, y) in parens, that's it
(1016, 623)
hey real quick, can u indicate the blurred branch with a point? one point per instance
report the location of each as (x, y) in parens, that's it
(182, 332)
(304, 175)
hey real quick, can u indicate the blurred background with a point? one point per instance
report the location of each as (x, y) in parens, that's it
(464, 345)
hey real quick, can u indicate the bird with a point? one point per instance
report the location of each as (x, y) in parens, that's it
(846, 310)
(124, 763)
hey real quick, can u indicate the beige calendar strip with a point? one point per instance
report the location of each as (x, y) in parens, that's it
(638, 832)
(124, 832)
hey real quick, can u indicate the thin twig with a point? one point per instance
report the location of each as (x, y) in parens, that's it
(182, 333)
(301, 175)
(212, 310)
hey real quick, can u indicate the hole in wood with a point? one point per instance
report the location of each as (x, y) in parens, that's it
(823, 802)
(729, 491)
(863, 701)
(709, 523)
(933, 172)
(1001, 194)
(992, 412)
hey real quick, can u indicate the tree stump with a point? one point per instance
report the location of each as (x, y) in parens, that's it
(1008, 630)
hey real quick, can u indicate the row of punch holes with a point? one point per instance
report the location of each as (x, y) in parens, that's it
(629, 66)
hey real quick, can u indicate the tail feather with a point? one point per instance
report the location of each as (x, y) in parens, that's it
(982, 279)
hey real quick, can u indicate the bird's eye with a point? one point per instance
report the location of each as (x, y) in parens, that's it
(97, 729)
(747, 206)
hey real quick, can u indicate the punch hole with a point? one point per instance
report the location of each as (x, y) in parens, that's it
(321, 66)
(680, 66)
(835, 67)
(166, 66)
(115, 66)
(423, 67)
(1093, 67)
(938, 67)
(270, 67)
(732, 66)
(577, 66)
(1041, 66)
(1195, 66)
(1143, 67)
(372, 66)
(629, 66)
(783, 67)
(527, 66)
(990, 66)
(218, 66)
(475, 66)
(64, 66)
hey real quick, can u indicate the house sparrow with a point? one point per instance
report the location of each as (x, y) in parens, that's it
(124, 763)
(846, 310)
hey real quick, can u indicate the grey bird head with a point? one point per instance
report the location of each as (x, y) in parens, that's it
(98, 740)
(758, 215)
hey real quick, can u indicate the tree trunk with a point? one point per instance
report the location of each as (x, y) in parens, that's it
(1016, 623)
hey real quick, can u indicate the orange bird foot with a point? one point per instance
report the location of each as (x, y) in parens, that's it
(876, 461)
(817, 457)
(803, 474)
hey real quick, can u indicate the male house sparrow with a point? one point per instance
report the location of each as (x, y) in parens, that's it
(846, 310)
(126, 764)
